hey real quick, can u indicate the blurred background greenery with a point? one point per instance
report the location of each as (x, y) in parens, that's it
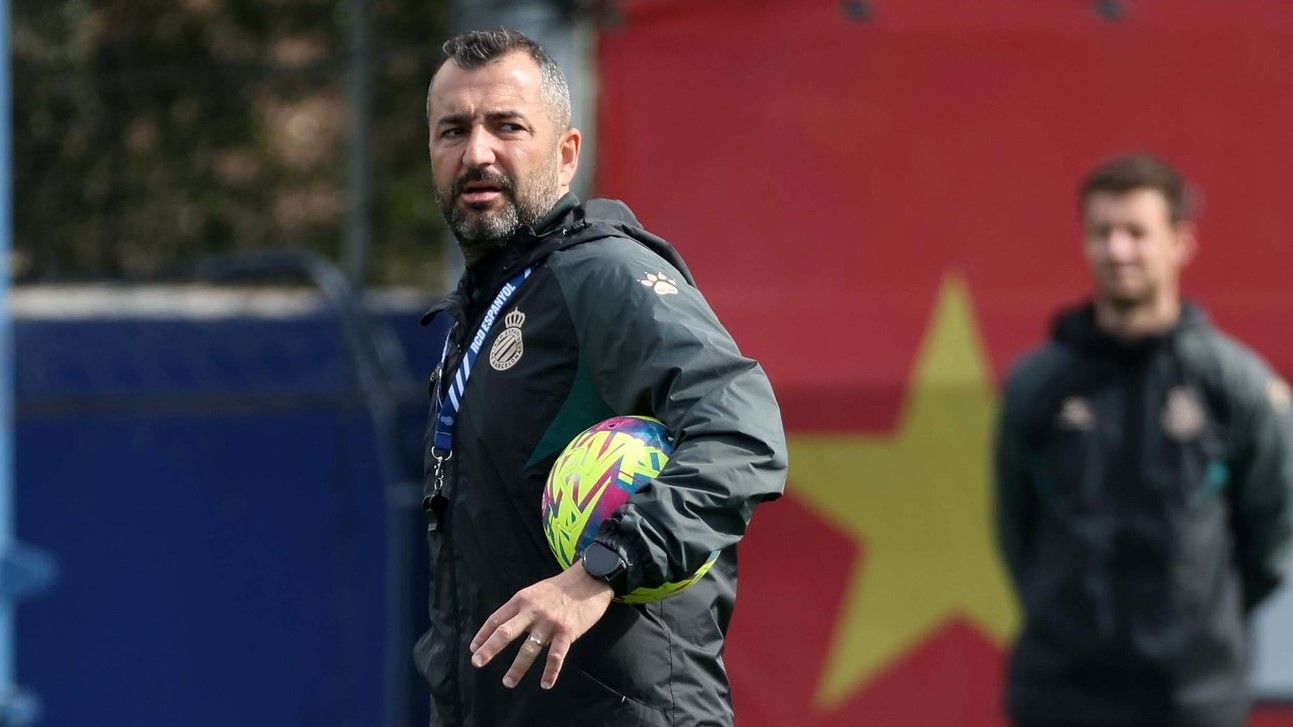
(151, 133)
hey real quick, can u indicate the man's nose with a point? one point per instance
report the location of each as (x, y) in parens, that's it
(1121, 245)
(480, 149)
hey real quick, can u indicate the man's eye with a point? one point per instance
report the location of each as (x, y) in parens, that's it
(450, 133)
(510, 127)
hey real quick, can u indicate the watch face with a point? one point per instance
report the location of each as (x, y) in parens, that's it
(600, 561)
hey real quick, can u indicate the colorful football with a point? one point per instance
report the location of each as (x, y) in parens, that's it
(593, 476)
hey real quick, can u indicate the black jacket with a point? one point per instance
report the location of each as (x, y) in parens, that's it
(1143, 509)
(613, 325)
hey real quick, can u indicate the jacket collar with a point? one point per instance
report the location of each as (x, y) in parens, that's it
(1077, 328)
(528, 244)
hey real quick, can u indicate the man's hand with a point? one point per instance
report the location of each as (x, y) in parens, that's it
(552, 613)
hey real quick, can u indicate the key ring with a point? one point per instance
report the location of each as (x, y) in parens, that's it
(440, 459)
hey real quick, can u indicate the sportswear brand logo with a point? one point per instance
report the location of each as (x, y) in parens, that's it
(1076, 414)
(1183, 415)
(1277, 392)
(660, 283)
(509, 346)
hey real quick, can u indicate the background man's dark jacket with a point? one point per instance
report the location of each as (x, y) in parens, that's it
(1143, 509)
(613, 325)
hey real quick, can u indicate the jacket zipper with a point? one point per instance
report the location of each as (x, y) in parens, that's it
(1129, 481)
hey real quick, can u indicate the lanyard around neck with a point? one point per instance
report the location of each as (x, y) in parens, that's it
(446, 422)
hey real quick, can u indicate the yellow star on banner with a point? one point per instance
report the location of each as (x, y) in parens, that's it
(919, 503)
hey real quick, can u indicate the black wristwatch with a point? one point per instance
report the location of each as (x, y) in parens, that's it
(605, 565)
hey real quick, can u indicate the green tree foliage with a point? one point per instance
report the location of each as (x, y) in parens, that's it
(148, 133)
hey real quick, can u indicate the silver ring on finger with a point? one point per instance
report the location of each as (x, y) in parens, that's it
(532, 639)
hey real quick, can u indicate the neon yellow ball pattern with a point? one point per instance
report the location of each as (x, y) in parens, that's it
(595, 475)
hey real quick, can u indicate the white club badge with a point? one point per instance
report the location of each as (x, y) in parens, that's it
(509, 346)
(1183, 415)
(1076, 414)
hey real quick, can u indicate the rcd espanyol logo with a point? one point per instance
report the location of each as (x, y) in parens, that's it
(1183, 415)
(508, 347)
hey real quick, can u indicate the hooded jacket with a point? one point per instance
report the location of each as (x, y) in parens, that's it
(1143, 508)
(610, 323)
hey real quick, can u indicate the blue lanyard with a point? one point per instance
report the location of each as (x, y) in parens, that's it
(446, 422)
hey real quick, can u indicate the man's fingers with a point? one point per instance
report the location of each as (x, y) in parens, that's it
(559, 609)
(556, 658)
(498, 618)
(530, 650)
(502, 636)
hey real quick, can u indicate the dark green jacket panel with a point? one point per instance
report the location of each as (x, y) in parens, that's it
(489, 540)
(1016, 494)
(654, 346)
(1261, 468)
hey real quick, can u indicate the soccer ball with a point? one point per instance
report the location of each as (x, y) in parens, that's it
(593, 476)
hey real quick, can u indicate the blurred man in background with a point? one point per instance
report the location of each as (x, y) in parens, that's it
(1144, 469)
(577, 314)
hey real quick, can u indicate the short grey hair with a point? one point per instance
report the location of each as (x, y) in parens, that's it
(479, 48)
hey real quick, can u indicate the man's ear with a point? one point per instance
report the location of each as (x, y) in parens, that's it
(1187, 241)
(568, 156)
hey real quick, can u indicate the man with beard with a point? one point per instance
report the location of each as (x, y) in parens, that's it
(570, 313)
(1144, 466)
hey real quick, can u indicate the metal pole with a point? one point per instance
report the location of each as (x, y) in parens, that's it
(6, 349)
(359, 171)
(23, 570)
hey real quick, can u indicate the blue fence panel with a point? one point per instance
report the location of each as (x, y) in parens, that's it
(212, 493)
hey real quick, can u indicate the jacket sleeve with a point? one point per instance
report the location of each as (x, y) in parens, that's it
(1262, 494)
(1016, 503)
(654, 347)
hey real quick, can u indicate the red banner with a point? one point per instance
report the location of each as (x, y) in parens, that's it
(879, 200)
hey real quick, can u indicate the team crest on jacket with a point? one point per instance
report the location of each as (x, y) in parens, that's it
(508, 347)
(660, 283)
(1075, 413)
(1183, 416)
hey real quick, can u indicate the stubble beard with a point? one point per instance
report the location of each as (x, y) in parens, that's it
(480, 231)
(1125, 301)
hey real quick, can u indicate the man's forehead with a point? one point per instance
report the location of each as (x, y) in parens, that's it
(509, 83)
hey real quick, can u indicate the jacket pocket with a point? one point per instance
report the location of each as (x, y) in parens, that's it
(580, 699)
(612, 707)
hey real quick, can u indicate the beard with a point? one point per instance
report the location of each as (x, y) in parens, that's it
(481, 229)
(1128, 297)
(1128, 302)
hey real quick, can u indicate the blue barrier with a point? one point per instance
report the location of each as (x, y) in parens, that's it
(211, 491)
